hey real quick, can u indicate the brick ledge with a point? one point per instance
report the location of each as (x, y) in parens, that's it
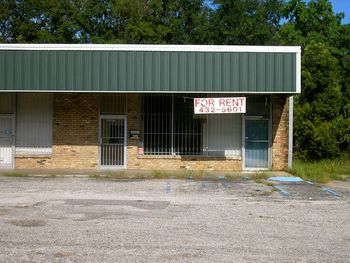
(34, 156)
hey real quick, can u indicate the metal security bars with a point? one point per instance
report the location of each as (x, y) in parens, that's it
(169, 127)
(112, 141)
(158, 124)
(187, 130)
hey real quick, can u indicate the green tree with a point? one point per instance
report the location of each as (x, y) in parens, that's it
(321, 81)
(322, 109)
(245, 22)
(104, 21)
(39, 21)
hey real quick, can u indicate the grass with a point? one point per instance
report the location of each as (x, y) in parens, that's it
(260, 177)
(15, 174)
(123, 175)
(322, 171)
(156, 174)
(161, 174)
(268, 193)
(20, 174)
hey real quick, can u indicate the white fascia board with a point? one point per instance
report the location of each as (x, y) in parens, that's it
(298, 72)
(149, 92)
(290, 132)
(134, 47)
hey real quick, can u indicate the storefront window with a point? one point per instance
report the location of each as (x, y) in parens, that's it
(157, 124)
(170, 127)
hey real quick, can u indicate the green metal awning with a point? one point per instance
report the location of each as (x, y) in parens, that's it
(149, 68)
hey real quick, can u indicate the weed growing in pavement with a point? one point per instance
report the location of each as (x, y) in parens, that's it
(260, 177)
(15, 174)
(159, 174)
(268, 193)
(268, 183)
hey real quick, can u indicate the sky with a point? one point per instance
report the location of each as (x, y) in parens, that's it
(339, 6)
(342, 6)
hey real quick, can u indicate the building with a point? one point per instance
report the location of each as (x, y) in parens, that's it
(132, 106)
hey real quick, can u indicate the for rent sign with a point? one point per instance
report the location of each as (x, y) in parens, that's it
(219, 105)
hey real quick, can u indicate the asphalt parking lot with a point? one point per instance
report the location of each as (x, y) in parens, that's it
(102, 220)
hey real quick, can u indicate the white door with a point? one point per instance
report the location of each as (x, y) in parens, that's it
(112, 142)
(6, 142)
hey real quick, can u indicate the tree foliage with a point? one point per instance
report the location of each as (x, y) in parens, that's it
(245, 22)
(322, 111)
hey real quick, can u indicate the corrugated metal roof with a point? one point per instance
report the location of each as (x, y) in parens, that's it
(149, 68)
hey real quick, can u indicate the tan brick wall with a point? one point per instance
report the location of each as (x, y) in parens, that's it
(75, 131)
(280, 121)
(33, 162)
(190, 163)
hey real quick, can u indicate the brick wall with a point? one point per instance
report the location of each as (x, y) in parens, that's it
(75, 131)
(133, 110)
(33, 162)
(190, 163)
(280, 127)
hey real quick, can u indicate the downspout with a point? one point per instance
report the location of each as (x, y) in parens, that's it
(290, 133)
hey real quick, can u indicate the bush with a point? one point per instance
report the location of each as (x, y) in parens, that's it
(323, 143)
(342, 132)
(314, 138)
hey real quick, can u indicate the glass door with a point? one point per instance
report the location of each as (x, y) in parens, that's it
(256, 144)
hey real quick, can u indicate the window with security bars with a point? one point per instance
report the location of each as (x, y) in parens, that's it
(157, 124)
(187, 130)
(170, 127)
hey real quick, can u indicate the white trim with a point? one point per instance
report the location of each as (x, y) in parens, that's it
(290, 133)
(140, 92)
(33, 150)
(256, 169)
(243, 142)
(270, 153)
(134, 47)
(13, 128)
(298, 72)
